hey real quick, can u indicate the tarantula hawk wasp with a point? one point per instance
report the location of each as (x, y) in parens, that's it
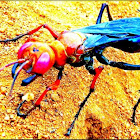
(77, 48)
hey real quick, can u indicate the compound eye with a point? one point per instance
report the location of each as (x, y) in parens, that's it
(42, 64)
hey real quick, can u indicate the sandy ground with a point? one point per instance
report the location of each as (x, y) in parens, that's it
(108, 111)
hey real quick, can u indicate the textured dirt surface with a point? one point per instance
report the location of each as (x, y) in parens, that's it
(108, 111)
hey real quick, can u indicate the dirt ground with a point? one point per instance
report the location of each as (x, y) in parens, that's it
(108, 111)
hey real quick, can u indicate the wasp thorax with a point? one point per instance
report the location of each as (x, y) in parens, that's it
(71, 41)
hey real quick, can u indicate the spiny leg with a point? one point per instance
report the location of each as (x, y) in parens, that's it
(134, 111)
(104, 5)
(89, 65)
(122, 65)
(53, 33)
(97, 73)
(13, 39)
(28, 80)
(54, 86)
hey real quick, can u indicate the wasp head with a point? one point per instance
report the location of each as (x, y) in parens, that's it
(40, 56)
(33, 57)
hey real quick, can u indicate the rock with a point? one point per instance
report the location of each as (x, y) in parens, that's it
(3, 90)
(28, 97)
(7, 118)
(55, 97)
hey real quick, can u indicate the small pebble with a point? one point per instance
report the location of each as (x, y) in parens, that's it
(127, 125)
(12, 116)
(7, 117)
(54, 97)
(133, 133)
(28, 97)
(3, 134)
(32, 123)
(3, 90)
(61, 114)
(1, 96)
(37, 131)
(9, 110)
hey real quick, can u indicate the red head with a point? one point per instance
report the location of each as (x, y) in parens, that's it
(34, 57)
(40, 55)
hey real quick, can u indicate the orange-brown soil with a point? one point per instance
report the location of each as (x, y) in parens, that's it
(107, 112)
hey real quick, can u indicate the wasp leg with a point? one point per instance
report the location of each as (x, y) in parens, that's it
(37, 103)
(121, 65)
(53, 33)
(134, 111)
(104, 5)
(24, 115)
(20, 36)
(13, 39)
(28, 80)
(18, 112)
(98, 71)
(89, 65)
(124, 66)
(87, 61)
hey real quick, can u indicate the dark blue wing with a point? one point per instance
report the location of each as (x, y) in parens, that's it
(120, 26)
(111, 31)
